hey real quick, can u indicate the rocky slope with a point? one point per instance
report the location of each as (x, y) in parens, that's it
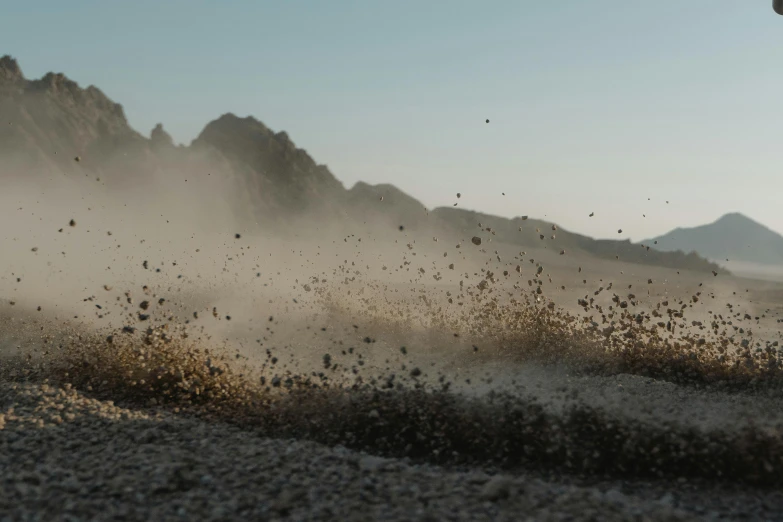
(280, 175)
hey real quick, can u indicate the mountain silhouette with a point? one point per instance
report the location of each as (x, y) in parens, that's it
(527, 232)
(53, 127)
(733, 237)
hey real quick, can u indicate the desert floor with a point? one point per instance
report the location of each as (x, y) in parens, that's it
(82, 437)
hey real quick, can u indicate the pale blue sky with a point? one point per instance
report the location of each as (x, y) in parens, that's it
(595, 105)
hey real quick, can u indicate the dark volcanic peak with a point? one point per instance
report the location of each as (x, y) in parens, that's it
(734, 236)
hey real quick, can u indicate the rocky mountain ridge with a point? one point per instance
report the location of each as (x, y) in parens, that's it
(53, 127)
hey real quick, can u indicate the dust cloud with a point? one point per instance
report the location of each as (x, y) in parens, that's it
(437, 345)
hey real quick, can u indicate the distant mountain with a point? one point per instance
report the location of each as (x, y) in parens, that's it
(46, 124)
(734, 237)
(527, 232)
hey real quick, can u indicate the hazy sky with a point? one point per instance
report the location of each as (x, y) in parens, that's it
(594, 105)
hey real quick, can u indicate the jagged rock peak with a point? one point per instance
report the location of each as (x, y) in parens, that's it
(161, 138)
(250, 128)
(69, 91)
(230, 120)
(56, 82)
(284, 139)
(10, 72)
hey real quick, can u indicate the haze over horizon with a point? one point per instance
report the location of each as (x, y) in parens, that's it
(620, 103)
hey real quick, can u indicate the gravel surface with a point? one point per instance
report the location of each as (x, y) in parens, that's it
(633, 397)
(66, 456)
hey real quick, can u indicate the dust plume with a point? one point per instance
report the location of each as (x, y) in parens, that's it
(434, 344)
